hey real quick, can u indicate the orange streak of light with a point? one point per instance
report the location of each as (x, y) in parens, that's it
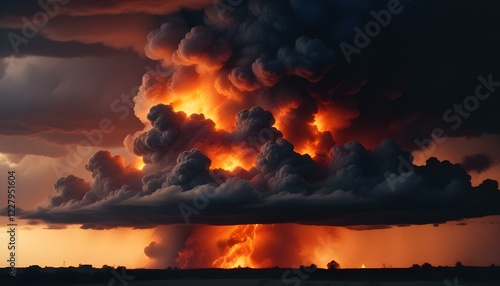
(283, 116)
(240, 248)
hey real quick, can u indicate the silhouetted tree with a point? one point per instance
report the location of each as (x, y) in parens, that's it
(426, 265)
(415, 266)
(333, 265)
(34, 268)
(309, 268)
(459, 264)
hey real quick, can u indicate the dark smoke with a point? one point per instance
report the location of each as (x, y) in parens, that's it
(284, 56)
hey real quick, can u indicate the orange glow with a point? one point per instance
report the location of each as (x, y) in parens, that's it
(322, 121)
(284, 245)
(199, 98)
(196, 102)
(259, 246)
(240, 248)
(308, 148)
(363, 265)
(230, 160)
(73, 246)
(138, 163)
(282, 115)
(332, 117)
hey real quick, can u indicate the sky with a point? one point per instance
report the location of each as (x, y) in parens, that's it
(259, 133)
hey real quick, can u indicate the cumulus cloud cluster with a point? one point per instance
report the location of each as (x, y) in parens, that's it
(261, 58)
(282, 186)
(174, 132)
(283, 56)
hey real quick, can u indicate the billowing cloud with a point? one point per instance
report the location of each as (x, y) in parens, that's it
(163, 42)
(174, 132)
(155, 7)
(114, 7)
(285, 57)
(47, 100)
(240, 122)
(356, 187)
(478, 162)
(117, 31)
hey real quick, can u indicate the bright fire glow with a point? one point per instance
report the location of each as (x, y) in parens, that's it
(282, 115)
(229, 162)
(196, 102)
(240, 248)
(308, 148)
(138, 163)
(322, 122)
(363, 265)
(230, 159)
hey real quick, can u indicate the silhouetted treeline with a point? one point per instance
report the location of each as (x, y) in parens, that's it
(72, 275)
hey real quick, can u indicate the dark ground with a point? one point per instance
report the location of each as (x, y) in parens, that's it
(445, 276)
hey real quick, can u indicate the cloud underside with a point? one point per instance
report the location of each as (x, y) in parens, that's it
(282, 55)
(355, 187)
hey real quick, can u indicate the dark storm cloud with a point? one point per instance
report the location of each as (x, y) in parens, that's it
(20, 146)
(69, 188)
(421, 68)
(173, 132)
(110, 178)
(96, 7)
(163, 42)
(154, 7)
(48, 100)
(286, 54)
(40, 46)
(399, 86)
(172, 240)
(120, 32)
(81, 28)
(285, 186)
(478, 162)
(411, 66)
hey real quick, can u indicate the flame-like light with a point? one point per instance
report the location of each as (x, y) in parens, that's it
(332, 117)
(231, 158)
(229, 162)
(308, 148)
(322, 122)
(363, 265)
(283, 115)
(138, 163)
(240, 248)
(196, 103)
